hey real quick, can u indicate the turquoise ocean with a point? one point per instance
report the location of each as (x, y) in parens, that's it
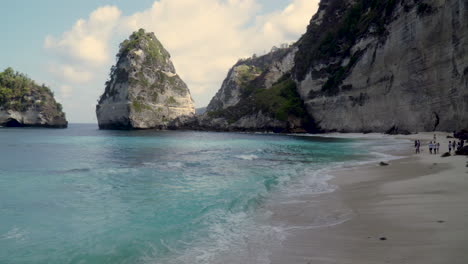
(83, 195)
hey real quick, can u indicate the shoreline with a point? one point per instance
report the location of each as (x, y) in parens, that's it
(413, 211)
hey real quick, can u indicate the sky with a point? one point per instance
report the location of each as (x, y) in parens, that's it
(71, 45)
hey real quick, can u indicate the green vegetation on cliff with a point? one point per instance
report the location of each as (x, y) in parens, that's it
(139, 107)
(279, 102)
(246, 74)
(20, 93)
(148, 43)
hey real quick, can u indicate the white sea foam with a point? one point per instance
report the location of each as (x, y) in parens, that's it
(247, 157)
(233, 238)
(316, 181)
(243, 238)
(175, 164)
(326, 222)
(15, 234)
(347, 135)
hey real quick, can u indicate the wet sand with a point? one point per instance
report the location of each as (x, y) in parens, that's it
(413, 211)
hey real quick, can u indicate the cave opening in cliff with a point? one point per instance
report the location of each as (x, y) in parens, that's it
(13, 123)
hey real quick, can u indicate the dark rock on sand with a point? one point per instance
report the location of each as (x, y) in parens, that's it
(462, 135)
(446, 154)
(383, 163)
(394, 130)
(462, 151)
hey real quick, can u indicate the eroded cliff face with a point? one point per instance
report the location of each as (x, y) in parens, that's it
(257, 95)
(144, 90)
(386, 65)
(270, 67)
(23, 103)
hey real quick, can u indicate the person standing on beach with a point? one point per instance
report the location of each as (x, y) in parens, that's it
(417, 145)
(450, 147)
(430, 147)
(438, 147)
(453, 145)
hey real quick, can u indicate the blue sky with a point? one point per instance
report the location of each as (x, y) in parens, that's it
(43, 40)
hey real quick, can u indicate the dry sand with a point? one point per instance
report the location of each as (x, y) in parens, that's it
(413, 211)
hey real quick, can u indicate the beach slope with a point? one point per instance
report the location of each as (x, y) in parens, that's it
(412, 211)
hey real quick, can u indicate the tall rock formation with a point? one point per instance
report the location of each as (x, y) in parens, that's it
(23, 103)
(257, 95)
(386, 65)
(144, 90)
(391, 66)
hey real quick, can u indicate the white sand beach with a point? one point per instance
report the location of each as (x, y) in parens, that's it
(413, 211)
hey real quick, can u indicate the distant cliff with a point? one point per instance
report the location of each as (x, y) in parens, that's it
(144, 90)
(23, 103)
(362, 66)
(386, 65)
(257, 95)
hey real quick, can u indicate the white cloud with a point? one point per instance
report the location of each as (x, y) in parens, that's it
(290, 22)
(70, 74)
(205, 38)
(84, 51)
(66, 91)
(87, 42)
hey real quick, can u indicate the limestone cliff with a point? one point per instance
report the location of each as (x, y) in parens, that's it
(144, 90)
(23, 103)
(386, 65)
(257, 95)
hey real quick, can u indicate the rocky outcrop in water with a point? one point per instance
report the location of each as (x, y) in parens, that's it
(23, 103)
(386, 65)
(257, 95)
(144, 90)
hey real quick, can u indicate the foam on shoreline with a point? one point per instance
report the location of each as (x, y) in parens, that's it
(406, 204)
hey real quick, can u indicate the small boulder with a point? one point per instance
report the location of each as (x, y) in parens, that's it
(383, 163)
(395, 130)
(462, 151)
(462, 135)
(446, 154)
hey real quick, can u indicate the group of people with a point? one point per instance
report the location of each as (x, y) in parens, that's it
(434, 146)
(451, 145)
